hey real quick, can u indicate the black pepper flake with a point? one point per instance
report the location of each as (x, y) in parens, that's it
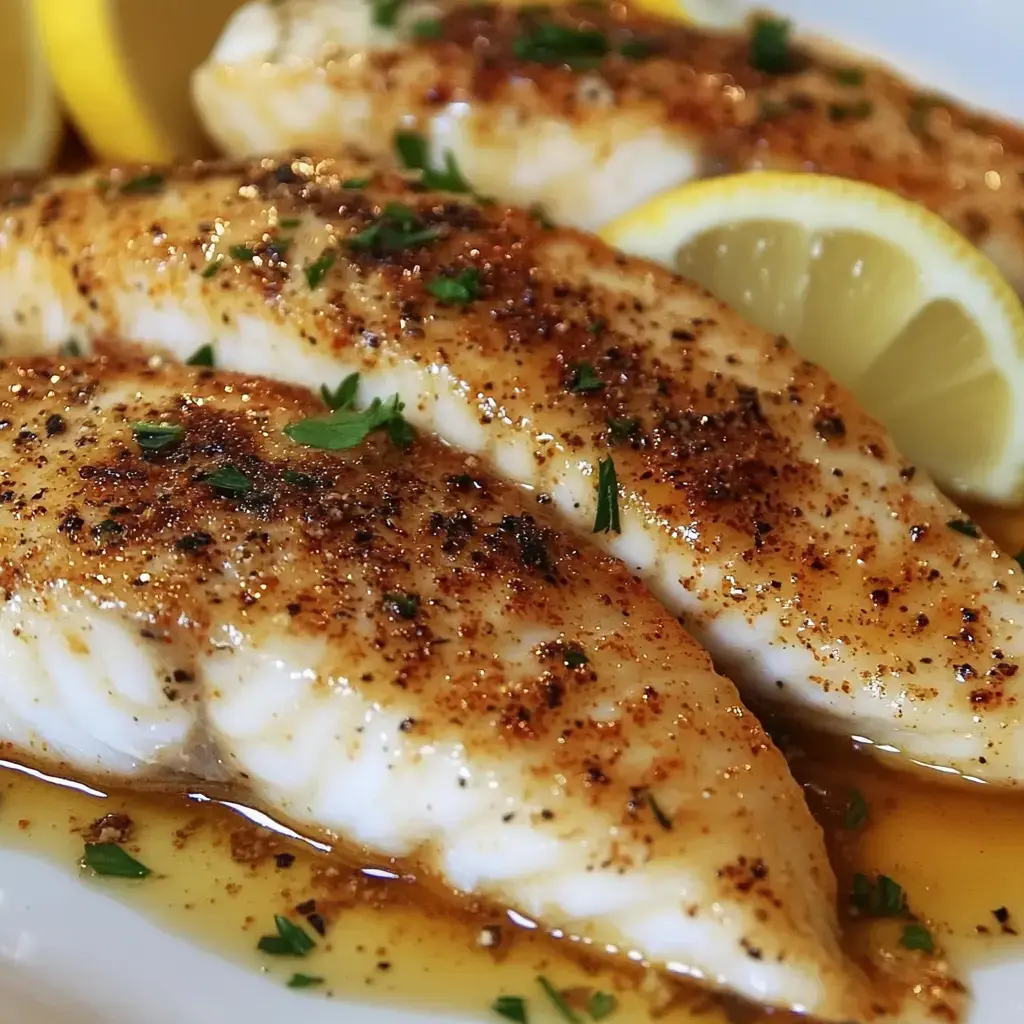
(284, 860)
(830, 428)
(194, 541)
(55, 425)
(306, 907)
(317, 923)
(880, 597)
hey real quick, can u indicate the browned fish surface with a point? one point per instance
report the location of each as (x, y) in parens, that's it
(759, 501)
(589, 109)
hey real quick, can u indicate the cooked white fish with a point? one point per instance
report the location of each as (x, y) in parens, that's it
(589, 109)
(756, 498)
(387, 644)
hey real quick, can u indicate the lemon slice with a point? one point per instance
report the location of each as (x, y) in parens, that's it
(123, 67)
(30, 122)
(883, 294)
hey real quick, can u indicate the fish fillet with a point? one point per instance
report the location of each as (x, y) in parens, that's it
(589, 125)
(755, 497)
(385, 643)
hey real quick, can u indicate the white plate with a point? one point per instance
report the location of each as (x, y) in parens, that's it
(69, 955)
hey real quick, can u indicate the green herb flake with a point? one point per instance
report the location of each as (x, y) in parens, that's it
(228, 480)
(398, 227)
(461, 289)
(771, 110)
(347, 428)
(414, 152)
(107, 528)
(429, 28)
(111, 860)
(964, 526)
(621, 429)
(850, 111)
(769, 46)
(584, 380)
(539, 215)
(242, 253)
(203, 356)
(293, 222)
(403, 605)
(304, 981)
(607, 516)
(317, 270)
(290, 940)
(551, 45)
(855, 816)
(343, 396)
(155, 437)
(385, 12)
(659, 815)
(296, 479)
(849, 76)
(213, 266)
(636, 49)
(881, 898)
(559, 1003)
(916, 936)
(278, 248)
(354, 184)
(511, 1008)
(70, 349)
(601, 1005)
(573, 657)
(143, 184)
(597, 326)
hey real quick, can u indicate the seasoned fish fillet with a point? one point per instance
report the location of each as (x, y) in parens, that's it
(386, 643)
(588, 111)
(756, 498)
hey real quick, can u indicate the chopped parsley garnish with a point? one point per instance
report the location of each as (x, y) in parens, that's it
(619, 430)
(228, 480)
(856, 814)
(107, 528)
(511, 1008)
(293, 222)
(849, 76)
(398, 227)
(881, 898)
(385, 12)
(607, 517)
(70, 348)
(203, 356)
(461, 289)
(155, 437)
(964, 526)
(636, 49)
(559, 1003)
(429, 28)
(414, 153)
(194, 541)
(296, 479)
(769, 46)
(343, 396)
(404, 605)
(538, 213)
(356, 183)
(552, 44)
(584, 380)
(916, 936)
(597, 326)
(213, 266)
(278, 248)
(659, 815)
(316, 270)
(573, 657)
(850, 111)
(143, 184)
(601, 1005)
(304, 980)
(346, 428)
(290, 940)
(111, 860)
(242, 253)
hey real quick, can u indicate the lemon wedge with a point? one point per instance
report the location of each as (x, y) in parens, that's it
(30, 121)
(123, 67)
(883, 294)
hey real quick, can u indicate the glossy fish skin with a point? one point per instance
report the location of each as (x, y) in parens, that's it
(757, 500)
(387, 644)
(667, 103)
